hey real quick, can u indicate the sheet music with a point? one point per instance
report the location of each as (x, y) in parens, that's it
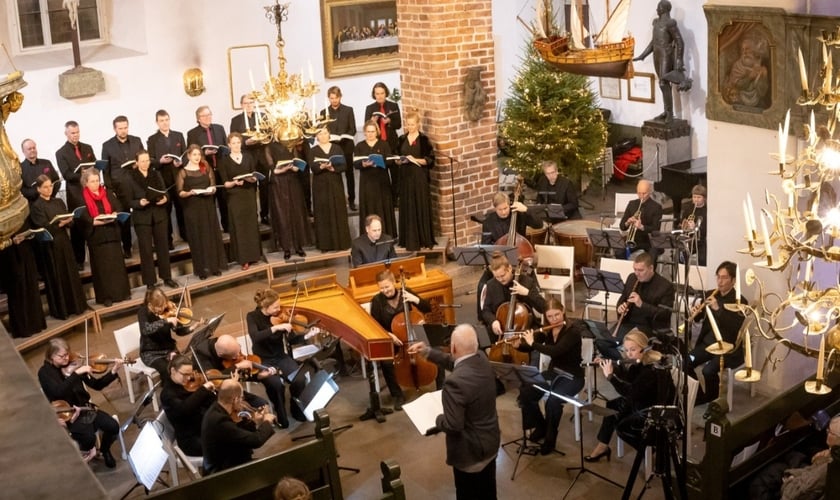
(148, 456)
(424, 410)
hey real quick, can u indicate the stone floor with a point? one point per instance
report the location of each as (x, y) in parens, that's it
(422, 459)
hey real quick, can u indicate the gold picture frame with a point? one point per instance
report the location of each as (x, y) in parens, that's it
(246, 64)
(640, 88)
(359, 37)
(609, 88)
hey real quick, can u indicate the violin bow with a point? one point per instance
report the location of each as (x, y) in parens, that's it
(244, 329)
(195, 358)
(181, 300)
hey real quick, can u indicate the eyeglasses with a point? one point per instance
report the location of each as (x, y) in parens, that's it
(63, 355)
(189, 374)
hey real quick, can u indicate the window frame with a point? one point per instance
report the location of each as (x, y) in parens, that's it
(16, 36)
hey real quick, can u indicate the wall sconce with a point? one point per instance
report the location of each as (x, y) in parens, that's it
(193, 82)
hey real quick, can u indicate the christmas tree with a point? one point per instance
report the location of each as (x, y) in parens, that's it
(552, 115)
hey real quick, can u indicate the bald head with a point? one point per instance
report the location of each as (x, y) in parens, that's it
(464, 341)
(643, 189)
(229, 391)
(227, 347)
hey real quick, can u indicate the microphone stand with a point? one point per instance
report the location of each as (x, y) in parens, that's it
(452, 162)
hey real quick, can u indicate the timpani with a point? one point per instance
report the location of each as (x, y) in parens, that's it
(572, 233)
(537, 236)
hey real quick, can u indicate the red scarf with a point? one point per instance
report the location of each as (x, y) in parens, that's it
(91, 199)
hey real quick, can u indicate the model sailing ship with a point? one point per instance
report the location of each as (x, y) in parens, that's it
(609, 53)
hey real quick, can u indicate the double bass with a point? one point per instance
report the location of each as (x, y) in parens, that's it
(524, 249)
(513, 316)
(411, 371)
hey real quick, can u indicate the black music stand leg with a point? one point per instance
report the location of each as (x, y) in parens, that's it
(582, 468)
(524, 449)
(634, 471)
(375, 409)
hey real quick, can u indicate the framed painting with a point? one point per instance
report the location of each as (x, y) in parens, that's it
(359, 37)
(640, 87)
(246, 63)
(610, 88)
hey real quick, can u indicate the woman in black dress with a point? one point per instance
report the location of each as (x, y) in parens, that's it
(157, 324)
(64, 377)
(332, 231)
(289, 218)
(386, 114)
(243, 221)
(415, 196)
(150, 217)
(196, 186)
(19, 279)
(58, 265)
(107, 265)
(374, 182)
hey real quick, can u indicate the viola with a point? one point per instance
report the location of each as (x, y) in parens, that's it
(247, 412)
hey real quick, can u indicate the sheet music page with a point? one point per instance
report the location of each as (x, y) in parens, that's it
(148, 456)
(424, 410)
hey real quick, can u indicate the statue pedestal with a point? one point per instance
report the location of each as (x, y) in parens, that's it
(80, 82)
(672, 142)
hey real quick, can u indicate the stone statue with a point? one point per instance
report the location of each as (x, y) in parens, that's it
(475, 97)
(667, 47)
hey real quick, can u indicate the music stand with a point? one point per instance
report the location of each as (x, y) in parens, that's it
(662, 241)
(479, 255)
(605, 281)
(581, 406)
(439, 335)
(518, 376)
(205, 332)
(609, 239)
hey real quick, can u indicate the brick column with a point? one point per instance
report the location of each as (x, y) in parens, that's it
(439, 41)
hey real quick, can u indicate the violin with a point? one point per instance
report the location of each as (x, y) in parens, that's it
(65, 411)
(300, 323)
(246, 413)
(99, 363)
(183, 314)
(198, 379)
(255, 360)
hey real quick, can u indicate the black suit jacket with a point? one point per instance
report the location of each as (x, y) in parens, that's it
(160, 145)
(469, 416)
(364, 251)
(136, 189)
(29, 172)
(651, 218)
(654, 293)
(67, 162)
(116, 153)
(226, 444)
(198, 135)
(562, 192)
(393, 112)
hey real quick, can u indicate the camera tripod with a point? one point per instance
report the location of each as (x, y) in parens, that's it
(662, 430)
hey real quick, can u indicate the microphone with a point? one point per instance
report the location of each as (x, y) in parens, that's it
(385, 242)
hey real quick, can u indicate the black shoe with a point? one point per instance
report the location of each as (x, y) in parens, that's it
(353, 207)
(171, 283)
(546, 448)
(301, 253)
(217, 273)
(109, 459)
(537, 434)
(202, 276)
(264, 220)
(80, 267)
(287, 255)
(108, 303)
(171, 246)
(398, 403)
(596, 458)
(127, 253)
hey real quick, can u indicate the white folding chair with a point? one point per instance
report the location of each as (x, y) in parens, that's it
(621, 201)
(556, 258)
(177, 456)
(128, 342)
(624, 268)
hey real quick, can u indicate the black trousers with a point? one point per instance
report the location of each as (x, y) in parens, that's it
(476, 485)
(153, 239)
(85, 433)
(529, 401)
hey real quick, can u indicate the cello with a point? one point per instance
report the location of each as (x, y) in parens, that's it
(524, 249)
(513, 316)
(411, 371)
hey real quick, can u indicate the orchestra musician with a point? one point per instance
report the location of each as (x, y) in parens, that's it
(645, 303)
(268, 329)
(223, 353)
(469, 417)
(384, 306)
(635, 379)
(229, 432)
(158, 320)
(694, 214)
(552, 189)
(185, 402)
(498, 291)
(645, 215)
(562, 342)
(729, 324)
(373, 246)
(63, 376)
(497, 223)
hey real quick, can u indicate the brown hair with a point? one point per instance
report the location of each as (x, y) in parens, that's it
(155, 300)
(265, 297)
(385, 275)
(290, 488)
(498, 261)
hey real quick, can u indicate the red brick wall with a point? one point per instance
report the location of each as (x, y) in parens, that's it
(439, 41)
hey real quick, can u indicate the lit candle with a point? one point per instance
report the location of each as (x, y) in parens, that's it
(751, 210)
(812, 136)
(747, 221)
(781, 151)
(713, 323)
(747, 350)
(257, 112)
(768, 247)
(267, 74)
(737, 283)
(245, 114)
(821, 359)
(791, 202)
(311, 74)
(313, 109)
(808, 268)
(803, 74)
(251, 77)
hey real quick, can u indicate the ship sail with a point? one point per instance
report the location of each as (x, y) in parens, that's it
(615, 28)
(577, 25)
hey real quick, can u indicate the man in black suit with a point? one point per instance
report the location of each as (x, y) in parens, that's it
(117, 151)
(31, 167)
(343, 124)
(646, 304)
(555, 190)
(207, 133)
(373, 246)
(469, 416)
(649, 219)
(167, 141)
(243, 122)
(68, 157)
